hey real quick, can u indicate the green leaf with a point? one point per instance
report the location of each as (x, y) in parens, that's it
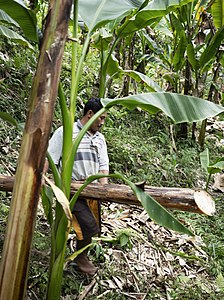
(158, 213)
(25, 17)
(113, 68)
(139, 77)
(124, 239)
(10, 34)
(8, 118)
(101, 39)
(96, 13)
(180, 108)
(5, 18)
(176, 23)
(178, 59)
(156, 9)
(204, 159)
(217, 167)
(191, 56)
(210, 52)
(217, 11)
(47, 199)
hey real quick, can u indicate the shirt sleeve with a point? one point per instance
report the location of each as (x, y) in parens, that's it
(104, 159)
(55, 145)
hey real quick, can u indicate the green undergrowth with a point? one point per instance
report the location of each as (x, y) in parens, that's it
(140, 146)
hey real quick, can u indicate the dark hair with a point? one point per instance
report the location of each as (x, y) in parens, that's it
(93, 104)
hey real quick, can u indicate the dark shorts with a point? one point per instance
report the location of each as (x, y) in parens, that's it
(86, 218)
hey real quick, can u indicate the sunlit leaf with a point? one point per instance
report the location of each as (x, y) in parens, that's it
(180, 108)
(96, 13)
(217, 11)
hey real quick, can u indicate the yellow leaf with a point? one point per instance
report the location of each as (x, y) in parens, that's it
(62, 199)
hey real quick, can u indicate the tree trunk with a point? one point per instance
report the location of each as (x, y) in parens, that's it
(16, 251)
(183, 199)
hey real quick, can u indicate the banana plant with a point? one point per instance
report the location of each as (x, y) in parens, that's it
(179, 108)
(134, 15)
(211, 169)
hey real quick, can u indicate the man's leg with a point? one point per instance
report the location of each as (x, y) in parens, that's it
(85, 226)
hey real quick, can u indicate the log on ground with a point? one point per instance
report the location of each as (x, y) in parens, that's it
(184, 199)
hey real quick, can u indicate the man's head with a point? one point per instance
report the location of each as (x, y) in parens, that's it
(92, 107)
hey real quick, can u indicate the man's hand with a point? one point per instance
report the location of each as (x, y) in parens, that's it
(104, 180)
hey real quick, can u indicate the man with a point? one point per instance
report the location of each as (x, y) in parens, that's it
(91, 158)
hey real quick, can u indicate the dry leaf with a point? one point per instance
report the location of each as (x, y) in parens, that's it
(62, 199)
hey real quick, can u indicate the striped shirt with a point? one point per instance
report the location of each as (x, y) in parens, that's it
(91, 157)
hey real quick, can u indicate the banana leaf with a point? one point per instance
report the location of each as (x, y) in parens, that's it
(204, 159)
(25, 17)
(5, 18)
(217, 11)
(180, 108)
(10, 34)
(139, 77)
(96, 13)
(211, 50)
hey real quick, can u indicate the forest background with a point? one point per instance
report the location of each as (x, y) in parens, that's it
(141, 146)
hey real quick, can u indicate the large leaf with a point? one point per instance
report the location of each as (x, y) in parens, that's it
(25, 17)
(180, 108)
(96, 13)
(10, 34)
(217, 11)
(156, 211)
(156, 9)
(213, 47)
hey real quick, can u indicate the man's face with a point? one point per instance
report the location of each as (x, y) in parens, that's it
(97, 125)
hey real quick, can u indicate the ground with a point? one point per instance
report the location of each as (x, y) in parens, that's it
(137, 259)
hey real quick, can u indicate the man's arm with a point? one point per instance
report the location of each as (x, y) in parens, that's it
(104, 180)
